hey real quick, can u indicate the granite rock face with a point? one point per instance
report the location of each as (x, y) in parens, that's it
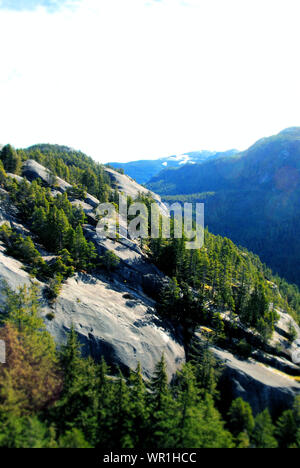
(258, 384)
(281, 333)
(15, 176)
(116, 322)
(110, 318)
(12, 273)
(129, 187)
(88, 211)
(33, 170)
(134, 267)
(91, 200)
(268, 379)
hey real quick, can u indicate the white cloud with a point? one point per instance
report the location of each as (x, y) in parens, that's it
(123, 80)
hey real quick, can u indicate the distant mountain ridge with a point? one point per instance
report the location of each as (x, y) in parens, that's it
(143, 170)
(252, 197)
(256, 165)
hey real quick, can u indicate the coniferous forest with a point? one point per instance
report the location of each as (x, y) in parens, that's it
(52, 396)
(59, 399)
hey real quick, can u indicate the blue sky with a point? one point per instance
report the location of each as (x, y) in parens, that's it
(23, 5)
(132, 79)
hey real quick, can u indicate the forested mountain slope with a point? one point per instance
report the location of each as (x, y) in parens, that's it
(201, 336)
(252, 198)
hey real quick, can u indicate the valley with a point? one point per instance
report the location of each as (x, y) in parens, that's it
(251, 197)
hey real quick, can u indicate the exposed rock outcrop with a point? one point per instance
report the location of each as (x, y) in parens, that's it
(269, 379)
(125, 331)
(15, 176)
(134, 267)
(7, 210)
(260, 385)
(279, 344)
(129, 187)
(111, 320)
(33, 170)
(12, 273)
(88, 211)
(281, 335)
(91, 200)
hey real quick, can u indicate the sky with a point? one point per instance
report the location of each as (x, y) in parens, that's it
(141, 79)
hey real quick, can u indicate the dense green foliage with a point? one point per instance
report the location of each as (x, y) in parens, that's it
(59, 399)
(10, 159)
(57, 225)
(220, 276)
(55, 398)
(55, 222)
(220, 273)
(73, 166)
(252, 198)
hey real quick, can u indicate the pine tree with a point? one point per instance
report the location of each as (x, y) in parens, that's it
(211, 432)
(159, 384)
(110, 260)
(207, 370)
(242, 293)
(286, 429)
(188, 398)
(78, 405)
(140, 413)
(169, 300)
(3, 176)
(82, 252)
(240, 417)
(194, 268)
(39, 222)
(11, 160)
(257, 307)
(123, 417)
(73, 438)
(23, 432)
(71, 359)
(90, 181)
(163, 409)
(263, 432)
(243, 440)
(105, 395)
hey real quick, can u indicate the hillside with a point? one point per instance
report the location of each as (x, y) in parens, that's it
(253, 198)
(197, 329)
